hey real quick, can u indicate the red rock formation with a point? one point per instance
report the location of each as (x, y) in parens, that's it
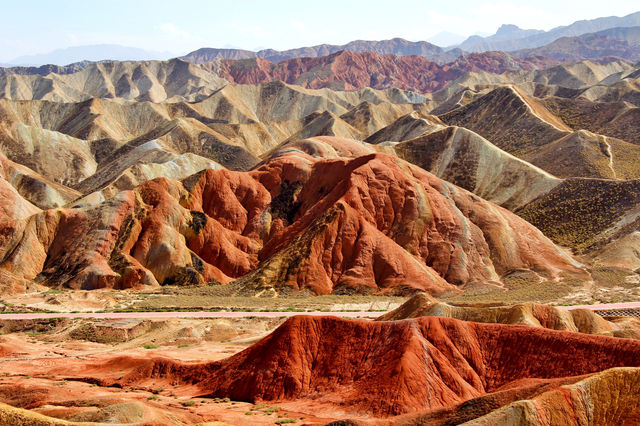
(348, 70)
(497, 62)
(387, 368)
(609, 398)
(531, 314)
(371, 224)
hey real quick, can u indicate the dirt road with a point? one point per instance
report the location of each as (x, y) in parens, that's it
(605, 307)
(154, 315)
(205, 314)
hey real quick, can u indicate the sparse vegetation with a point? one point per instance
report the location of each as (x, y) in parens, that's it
(218, 298)
(264, 409)
(612, 277)
(150, 346)
(521, 290)
(577, 211)
(597, 117)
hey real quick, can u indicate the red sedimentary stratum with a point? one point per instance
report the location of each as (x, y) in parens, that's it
(347, 70)
(371, 224)
(390, 368)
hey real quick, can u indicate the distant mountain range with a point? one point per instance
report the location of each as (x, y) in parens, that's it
(587, 39)
(396, 46)
(93, 53)
(44, 69)
(505, 33)
(342, 70)
(618, 42)
(510, 37)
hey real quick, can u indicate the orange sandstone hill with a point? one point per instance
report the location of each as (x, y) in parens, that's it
(429, 366)
(531, 314)
(295, 222)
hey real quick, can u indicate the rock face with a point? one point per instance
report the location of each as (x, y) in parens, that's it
(531, 314)
(582, 213)
(608, 398)
(390, 368)
(466, 159)
(132, 165)
(523, 127)
(35, 188)
(369, 224)
(347, 70)
(595, 204)
(70, 143)
(154, 81)
(13, 205)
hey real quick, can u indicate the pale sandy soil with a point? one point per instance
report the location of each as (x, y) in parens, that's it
(186, 298)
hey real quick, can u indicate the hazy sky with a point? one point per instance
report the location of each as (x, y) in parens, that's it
(179, 26)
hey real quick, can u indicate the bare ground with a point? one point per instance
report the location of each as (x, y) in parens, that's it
(42, 361)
